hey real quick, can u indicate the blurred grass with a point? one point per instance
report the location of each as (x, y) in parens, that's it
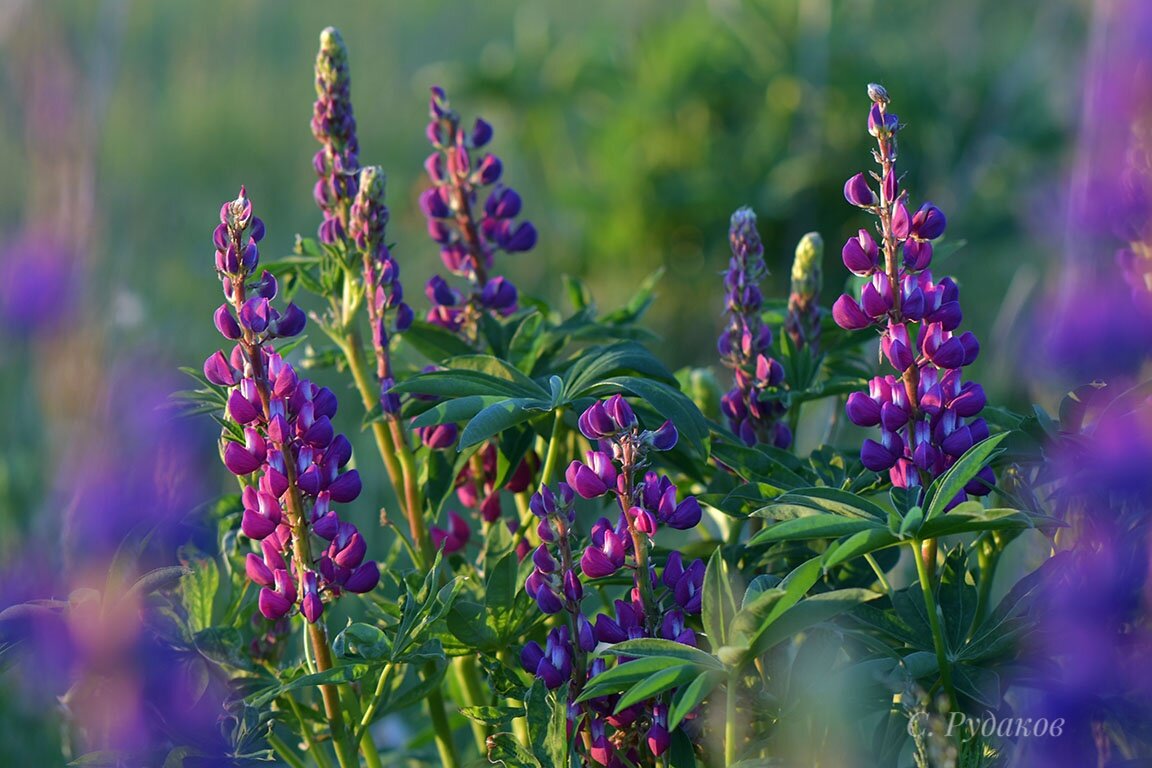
(632, 130)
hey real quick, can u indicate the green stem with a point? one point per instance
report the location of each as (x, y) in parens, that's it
(468, 676)
(934, 623)
(443, 730)
(285, 752)
(553, 455)
(314, 747)
(879, 573)
(361, 738)
(730, 722)
(519, 724)
(988, 556)
(377, 698)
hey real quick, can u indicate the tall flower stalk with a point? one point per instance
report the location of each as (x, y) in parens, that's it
(290, 461)
(657, 602)
(469, 235)
(334, 126)
(928, 416)
(746, 343)
(926, 413)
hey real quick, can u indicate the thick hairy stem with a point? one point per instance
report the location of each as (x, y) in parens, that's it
(443, 730)
(730, 721)
(553, 456)
(937, 630)
(317, 637)
(468, 678)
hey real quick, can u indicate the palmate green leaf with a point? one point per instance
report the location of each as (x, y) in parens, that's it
(624, 675)
(657, 683)
(859, 544)
(345, 673)
(718, 603)
(658, 648)
(198, 588)
(945, 487)
(504, 749)
(1010, 615)
(763, 606)
(689, 697)
(459, 409)
(638, 304)
(497, 368)
(499, 416)
(807, 613)
(835, 501)
(758, 464)
(579, 297)
(970, 517)
(461, 383)
(599, 363)
(433, 342)
(681, 752)
(979, 684)
(821, 526)
(957, 598)
(546, 716)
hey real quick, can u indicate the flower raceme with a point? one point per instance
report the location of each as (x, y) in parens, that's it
(928, 416)
(745, 344)
(469, 235)
(291, 461)
(656, 606)
(334, 126)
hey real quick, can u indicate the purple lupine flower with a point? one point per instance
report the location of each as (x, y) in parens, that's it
(290, 450)
(745, 345)
(334, 126)
(469, 235)
(553, 662)
(655, 607)
(926, 414)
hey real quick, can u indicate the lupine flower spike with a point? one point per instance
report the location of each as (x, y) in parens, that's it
(803, 323)
(384, 294)
(334, 126)
(469, 236)
(290, 460)
(745, 345)
(657, 605)
(927, 415)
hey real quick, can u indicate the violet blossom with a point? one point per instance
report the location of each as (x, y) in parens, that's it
(334, 126)
(746, 343)
(469, 233)
(927, 414)
(290, 460)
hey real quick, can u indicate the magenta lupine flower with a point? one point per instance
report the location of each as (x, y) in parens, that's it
(469, 233)
(334, 126)
(292, 461)
(745, 345)
(655, 607)
(926, 413)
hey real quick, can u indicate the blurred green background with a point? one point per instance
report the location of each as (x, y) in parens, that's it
(632, 129)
